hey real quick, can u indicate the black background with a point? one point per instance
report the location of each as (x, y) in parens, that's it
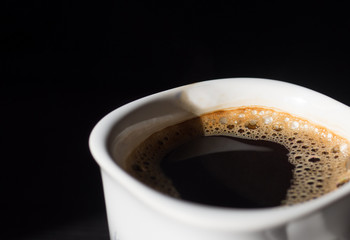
(65, 64)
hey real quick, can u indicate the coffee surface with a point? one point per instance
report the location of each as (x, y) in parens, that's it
(252, 174)
(275, 159)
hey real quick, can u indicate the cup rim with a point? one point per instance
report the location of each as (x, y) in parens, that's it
(193, 213)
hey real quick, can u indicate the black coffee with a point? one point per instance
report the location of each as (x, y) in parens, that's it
(242, 178)
(249, 157)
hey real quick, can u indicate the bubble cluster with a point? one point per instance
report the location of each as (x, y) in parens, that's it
(320, 157)
(144, 162)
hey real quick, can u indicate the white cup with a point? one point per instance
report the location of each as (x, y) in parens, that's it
(136, 211)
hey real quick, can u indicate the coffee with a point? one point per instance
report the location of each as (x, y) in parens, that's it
(250, 175)
(248, 157)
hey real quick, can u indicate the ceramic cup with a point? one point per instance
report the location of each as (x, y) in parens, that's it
(136, 211)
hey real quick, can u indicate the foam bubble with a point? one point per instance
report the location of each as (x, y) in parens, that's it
(294, 125)
(268, 119)
(343, 147)
(223, 120)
